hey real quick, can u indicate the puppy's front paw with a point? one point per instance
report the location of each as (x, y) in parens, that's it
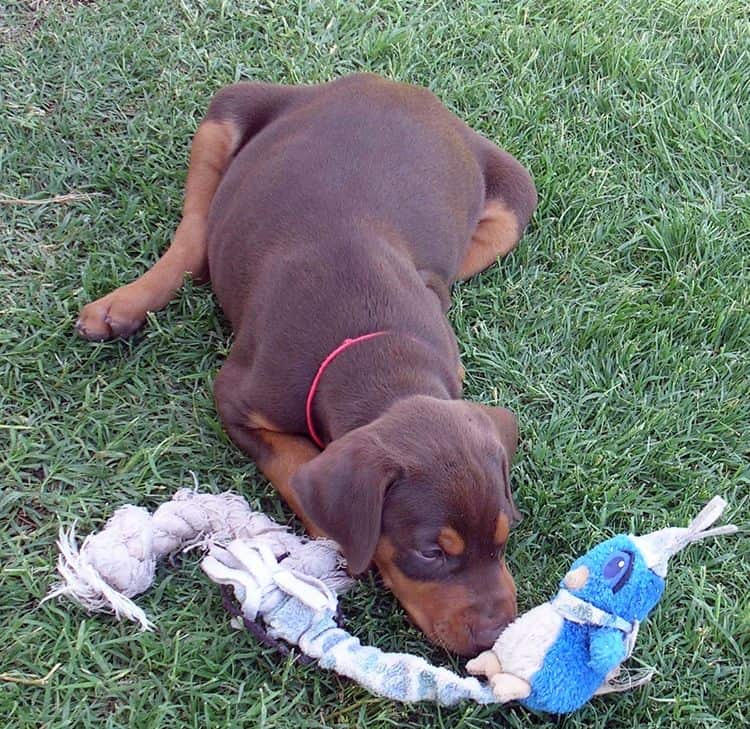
(118, 314)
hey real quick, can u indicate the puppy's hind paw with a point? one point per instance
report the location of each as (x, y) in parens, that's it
(118, 314)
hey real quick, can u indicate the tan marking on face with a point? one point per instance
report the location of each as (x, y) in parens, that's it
(420, 599)
(577, 578)
(451, 541)
(502, 529)
(509, 583)
(443, 611)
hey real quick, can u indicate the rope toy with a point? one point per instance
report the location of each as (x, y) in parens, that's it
(289, 582)
(551, 658)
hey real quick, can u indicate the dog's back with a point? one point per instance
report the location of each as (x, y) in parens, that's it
(358, 166)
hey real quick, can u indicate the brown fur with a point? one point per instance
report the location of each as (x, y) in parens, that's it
(327, 212)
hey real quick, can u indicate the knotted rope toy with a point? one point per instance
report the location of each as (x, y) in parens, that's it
(291, 583)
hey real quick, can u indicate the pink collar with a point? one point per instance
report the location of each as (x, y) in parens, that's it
(316, 381)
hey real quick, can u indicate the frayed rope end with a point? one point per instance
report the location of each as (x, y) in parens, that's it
(81, 583)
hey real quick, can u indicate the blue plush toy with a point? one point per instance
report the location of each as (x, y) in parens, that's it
(558, 655)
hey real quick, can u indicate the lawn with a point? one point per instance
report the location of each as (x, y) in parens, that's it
(618, 331)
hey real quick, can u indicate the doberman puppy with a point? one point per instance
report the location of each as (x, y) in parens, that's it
(339, 212)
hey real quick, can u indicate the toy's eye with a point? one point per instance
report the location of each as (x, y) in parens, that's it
(617, 569)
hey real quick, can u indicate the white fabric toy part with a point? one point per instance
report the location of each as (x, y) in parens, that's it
(289, 582)
(119, 562)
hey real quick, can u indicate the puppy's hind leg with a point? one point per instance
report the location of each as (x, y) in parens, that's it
(122, 311)
(236, 114)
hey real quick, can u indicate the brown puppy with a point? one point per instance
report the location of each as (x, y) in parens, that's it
(336, 211)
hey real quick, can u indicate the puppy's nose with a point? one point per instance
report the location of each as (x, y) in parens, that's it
(498, 612)
(485, 633)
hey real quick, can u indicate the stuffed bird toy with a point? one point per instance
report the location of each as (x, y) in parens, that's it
(558, 655)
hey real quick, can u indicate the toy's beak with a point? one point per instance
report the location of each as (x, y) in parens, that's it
(657, 547)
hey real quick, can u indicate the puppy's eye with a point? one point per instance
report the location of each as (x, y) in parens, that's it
(617, 569)
(430, 554)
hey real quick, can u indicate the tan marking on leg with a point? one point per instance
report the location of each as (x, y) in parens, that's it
(258, 421)
(122, 311)
(286, 454)
(497, 234)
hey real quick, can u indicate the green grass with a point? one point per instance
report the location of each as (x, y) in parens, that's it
(619, 331)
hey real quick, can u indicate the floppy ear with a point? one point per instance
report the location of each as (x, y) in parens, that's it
(506, 426)
(342, 492)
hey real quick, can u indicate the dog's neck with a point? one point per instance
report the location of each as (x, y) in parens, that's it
(362, 383)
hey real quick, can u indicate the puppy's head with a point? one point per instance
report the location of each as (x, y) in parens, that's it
(424, 492)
